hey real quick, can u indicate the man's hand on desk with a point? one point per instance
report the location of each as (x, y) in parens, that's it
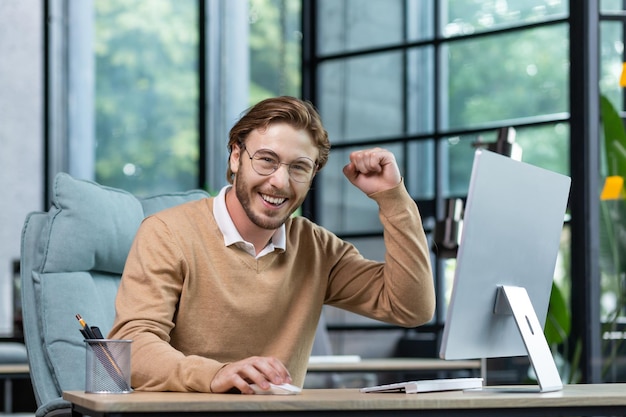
(254, 370)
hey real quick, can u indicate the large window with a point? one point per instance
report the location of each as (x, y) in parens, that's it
(430, 79)
(148, 90)
(146, 95)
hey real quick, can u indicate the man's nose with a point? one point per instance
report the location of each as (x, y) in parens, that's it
(281, 177)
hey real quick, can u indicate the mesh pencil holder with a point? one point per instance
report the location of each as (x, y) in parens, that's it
(107, 366)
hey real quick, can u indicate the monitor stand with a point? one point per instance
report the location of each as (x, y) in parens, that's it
(514, 300)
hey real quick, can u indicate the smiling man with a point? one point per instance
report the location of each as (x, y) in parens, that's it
(225, 292)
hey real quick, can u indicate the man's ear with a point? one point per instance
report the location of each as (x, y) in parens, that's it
(234, 159)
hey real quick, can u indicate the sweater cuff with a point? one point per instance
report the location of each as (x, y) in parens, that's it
(394, 200)
(199, 372)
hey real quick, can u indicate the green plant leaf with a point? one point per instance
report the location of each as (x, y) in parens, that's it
(613, 213)
(558, 321)
(614, 139)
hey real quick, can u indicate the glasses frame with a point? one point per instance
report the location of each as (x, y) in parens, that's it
(279, 163)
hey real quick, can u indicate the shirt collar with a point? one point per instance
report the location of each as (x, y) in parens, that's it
(231, 234)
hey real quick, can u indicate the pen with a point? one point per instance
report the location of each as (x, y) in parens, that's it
(96, 332)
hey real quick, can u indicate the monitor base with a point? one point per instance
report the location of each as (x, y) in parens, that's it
(531, 331)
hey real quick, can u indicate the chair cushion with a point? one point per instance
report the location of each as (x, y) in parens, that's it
(62, 295)
(159, 202)
(55, 408)
(81, 254)
(92, 227)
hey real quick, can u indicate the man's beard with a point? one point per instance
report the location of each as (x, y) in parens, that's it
(264, 222)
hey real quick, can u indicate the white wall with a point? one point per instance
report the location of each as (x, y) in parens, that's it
(21, 133)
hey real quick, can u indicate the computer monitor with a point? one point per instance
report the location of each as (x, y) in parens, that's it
(507, 255)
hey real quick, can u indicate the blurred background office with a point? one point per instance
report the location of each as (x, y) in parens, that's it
(140, 95)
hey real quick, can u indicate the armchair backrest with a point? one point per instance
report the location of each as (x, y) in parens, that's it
(72, 257)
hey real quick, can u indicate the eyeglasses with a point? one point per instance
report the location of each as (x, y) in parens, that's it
(265, 162)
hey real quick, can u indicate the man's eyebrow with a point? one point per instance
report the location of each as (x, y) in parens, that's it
(277, 156)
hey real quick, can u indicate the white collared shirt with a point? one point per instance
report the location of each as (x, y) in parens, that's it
(231, 234)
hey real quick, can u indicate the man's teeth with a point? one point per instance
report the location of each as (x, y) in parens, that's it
(273, 200)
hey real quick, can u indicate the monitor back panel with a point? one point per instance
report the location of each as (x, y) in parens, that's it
(511, 233)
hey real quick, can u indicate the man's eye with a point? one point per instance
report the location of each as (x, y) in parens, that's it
(267, 160)
(301, 167)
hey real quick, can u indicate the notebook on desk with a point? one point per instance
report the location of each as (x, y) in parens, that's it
(428, 385)
(334, 359)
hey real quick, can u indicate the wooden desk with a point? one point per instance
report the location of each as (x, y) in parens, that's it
(406, 365)
(575, 400)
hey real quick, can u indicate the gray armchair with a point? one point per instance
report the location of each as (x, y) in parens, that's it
(72, 257)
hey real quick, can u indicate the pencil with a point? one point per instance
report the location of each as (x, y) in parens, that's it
(86, 328)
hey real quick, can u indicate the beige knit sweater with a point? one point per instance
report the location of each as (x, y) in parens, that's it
(191, 305)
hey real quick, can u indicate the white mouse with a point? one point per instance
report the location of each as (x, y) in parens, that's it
(277, 389)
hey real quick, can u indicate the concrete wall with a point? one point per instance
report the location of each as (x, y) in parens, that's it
(21, 133)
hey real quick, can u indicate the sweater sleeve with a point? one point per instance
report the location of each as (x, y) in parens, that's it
(399, 290)
(145, 309)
